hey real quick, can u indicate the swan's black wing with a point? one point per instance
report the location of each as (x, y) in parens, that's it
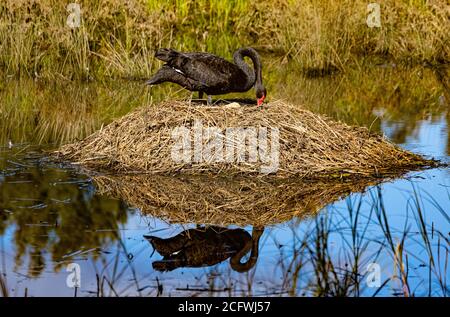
(208, 69)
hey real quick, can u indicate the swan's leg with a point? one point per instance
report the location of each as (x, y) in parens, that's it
(200, 95)
(209, 100)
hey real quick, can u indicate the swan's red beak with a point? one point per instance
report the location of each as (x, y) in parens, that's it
(261, 100)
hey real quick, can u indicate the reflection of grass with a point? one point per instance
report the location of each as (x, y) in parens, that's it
(405, 94)
(3, 287)
(399, 97)
(118, 39)
(42, 112)
(47, 113)
(61, 216)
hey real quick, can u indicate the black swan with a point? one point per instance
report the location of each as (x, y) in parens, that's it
(211, 74)
(207, 246)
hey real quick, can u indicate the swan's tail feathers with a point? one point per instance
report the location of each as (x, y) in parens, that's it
(166, 54)
(154, 241)
(162, 75)
(160, 245)
(153, 81)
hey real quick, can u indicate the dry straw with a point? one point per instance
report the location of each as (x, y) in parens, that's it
(311, 146)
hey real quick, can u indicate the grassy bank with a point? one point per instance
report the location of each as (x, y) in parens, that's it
(117, 38)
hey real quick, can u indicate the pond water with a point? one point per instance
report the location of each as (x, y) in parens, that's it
(54, 216)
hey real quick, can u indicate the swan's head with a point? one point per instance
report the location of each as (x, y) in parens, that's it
(260, 95)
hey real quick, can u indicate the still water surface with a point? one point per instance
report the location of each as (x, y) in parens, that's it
(53, 215)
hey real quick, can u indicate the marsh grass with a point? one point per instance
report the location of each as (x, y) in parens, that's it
(118, 38)
(316, 266)
(3, 286)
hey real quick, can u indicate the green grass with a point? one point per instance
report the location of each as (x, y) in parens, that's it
(118, 39)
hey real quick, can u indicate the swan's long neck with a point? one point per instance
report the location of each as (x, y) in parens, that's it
(252, 245)
(254, 75)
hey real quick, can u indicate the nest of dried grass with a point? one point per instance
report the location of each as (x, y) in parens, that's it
(225, 201)
(311, 146)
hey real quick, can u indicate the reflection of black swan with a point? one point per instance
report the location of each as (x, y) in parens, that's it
(207, 246)
(211, 74)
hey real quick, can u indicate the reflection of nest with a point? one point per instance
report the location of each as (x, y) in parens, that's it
(310, 146)
(223, 201)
